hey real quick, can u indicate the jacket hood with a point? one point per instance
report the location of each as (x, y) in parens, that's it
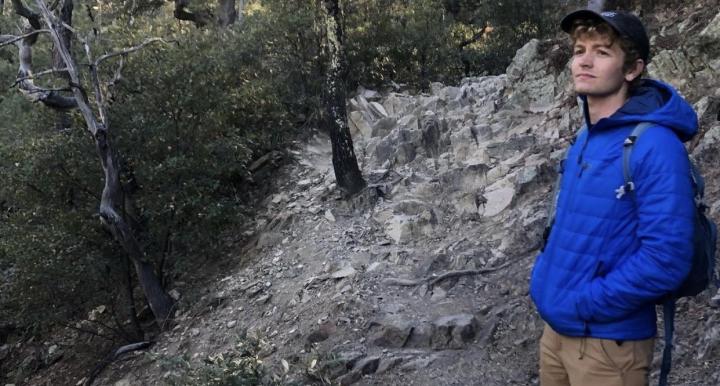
(655, 102)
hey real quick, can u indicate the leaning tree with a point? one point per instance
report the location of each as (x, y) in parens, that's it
(86, 92)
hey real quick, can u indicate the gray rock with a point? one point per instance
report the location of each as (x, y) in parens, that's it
(378, 110)
(454, 331)
(383, 126)
(404, 229)
(349, 378)
(421, 336)
(324, 331)
(344, 272)
(672, 66)
(398, 104)
(708, 110)
(712, 31)
(368, 94)
(498, 197)
(392, 332)
(432, 131)
(329, 216)
(367, 365)
(534, 71)
(399, 147)
(349, 358)
(510, 147)
(269, 239)
(359, 126)
(387, 364)
(416, 364)
(54, 354)
(706, 150)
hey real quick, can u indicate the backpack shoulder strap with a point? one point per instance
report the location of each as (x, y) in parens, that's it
(629, 185)
(669, 324)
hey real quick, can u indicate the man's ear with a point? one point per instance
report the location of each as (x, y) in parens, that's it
(635, 71)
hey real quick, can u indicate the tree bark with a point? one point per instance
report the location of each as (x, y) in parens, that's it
(199, 18)
(227, 14)
(347, 173)
(62, 117)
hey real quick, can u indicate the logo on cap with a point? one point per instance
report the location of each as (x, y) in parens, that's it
(609, 14)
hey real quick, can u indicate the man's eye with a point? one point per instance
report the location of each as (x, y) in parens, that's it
(577, 52)
(603, 53)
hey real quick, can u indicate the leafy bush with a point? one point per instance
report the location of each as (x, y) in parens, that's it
(239, 366)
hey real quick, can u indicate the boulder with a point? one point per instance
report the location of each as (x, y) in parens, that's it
(712, 31)
(498, 197)
(392, 332)
(359, 125)
(454, 331)
(535, 71)
(672, 66)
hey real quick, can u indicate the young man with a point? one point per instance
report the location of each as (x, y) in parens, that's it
(612, 253)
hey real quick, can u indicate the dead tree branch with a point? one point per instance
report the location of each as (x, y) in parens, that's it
(6, 40)
(128, 50)
(112, 358)
(40, 74)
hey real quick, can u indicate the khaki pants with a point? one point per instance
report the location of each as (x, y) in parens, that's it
(566, 361)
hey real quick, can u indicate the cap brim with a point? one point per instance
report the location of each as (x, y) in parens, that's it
(567, 22)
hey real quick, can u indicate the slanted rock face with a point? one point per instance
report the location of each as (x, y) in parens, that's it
(538, 73)
(693, 65)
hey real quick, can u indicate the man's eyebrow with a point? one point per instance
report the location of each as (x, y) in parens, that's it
(596, 45)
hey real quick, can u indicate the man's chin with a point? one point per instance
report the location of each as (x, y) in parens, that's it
(582, 90)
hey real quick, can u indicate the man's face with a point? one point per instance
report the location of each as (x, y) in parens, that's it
(597, 66)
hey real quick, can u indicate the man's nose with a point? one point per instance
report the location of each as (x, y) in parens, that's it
(585, 59)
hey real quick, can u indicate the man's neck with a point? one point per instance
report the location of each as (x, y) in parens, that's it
(601, 107)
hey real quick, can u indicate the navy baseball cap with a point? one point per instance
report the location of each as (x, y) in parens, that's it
(625, 24)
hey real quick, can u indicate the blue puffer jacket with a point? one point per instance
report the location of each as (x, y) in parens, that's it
(607, 260)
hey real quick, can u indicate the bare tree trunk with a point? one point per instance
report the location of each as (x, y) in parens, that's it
(62, 117)
(131, 310)
(227, 13)
(347, 172)
(199, 18)
(160, 302)
(111, 202)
